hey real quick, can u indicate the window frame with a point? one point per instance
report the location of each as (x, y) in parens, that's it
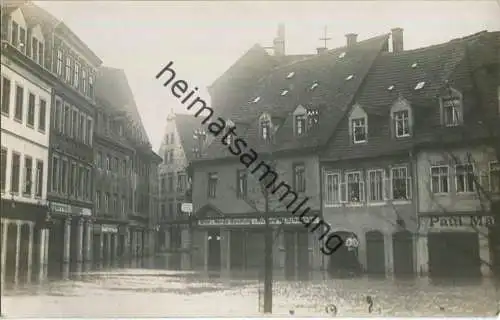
(33, 107)
(466, 176)
(6, 98)
(328, 201)
(42, 116)
(4, 167)
(490, 175)
(16, 183)
(361, 187)
(39, 178)
(354, 126)
(54, 183)
(406, 126)
(16, 102)
(382, 186)
(408, 183)
(241, 183)
(212, 181)
(299, 186)
(300, 122)
(447, 179)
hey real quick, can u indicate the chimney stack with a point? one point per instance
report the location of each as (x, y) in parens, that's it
(321, 50)
(279, 41)
(351, 38)
(397, 39)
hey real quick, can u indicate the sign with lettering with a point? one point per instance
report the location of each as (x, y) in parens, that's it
(219, 222)
(109, 228)
(68, 209)
(460, 221)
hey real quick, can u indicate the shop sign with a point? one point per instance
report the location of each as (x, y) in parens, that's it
(461, 221)
(69, 209)
(253, 221)
(109, 228)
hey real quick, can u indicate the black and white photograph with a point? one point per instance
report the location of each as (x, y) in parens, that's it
(250, 159)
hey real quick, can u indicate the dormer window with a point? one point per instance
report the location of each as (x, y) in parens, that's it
(22, 39)
(349, 77)
(265, 127)
(401, 123)
(284, 92)
(420, 85)
(358, 130)
(314, 85)
(313, 118)
(256, 100)
(451, 109)
(37, 50)
(290, 75)
(15, 34)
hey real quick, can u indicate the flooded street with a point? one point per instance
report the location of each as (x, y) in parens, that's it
(159, 293)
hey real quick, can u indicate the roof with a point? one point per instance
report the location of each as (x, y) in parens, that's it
(112, 87)
(331, 97)
(395, 76)
(186, 124)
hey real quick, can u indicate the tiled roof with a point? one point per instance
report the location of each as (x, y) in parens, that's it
(186, 124)
(112, 86)
(396, 75)
(332, 96)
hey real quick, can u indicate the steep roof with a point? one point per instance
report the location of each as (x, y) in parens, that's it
(395, 76)
(332, 96)
(112, 86)
(186, 124)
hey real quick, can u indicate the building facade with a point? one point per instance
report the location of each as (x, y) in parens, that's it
(25, 115)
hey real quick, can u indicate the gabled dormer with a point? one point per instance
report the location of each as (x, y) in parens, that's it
(299, 121)
(312, 118)
(451, 107)
(358, 125)
(18, 33)
(401, 119)
(265, 126)
(37, 45)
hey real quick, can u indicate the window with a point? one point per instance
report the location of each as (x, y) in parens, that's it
(30, 121)
(181, 182)
(39, 179)
(5, 96)
(212, 184)
(28, 176)
(451, 109)
(74, 174)
(81, 182)
(3, 177)
(171, 157)
(170, 209)
(123, 202)
(91, 86)
(55, 174)
(59, 62)
(98, 199)
(300, 124)
(440, 179)
(495, 176)
(84, 81)
(64, 177)
(106, 202)
(88, 185)
(401, 183)
(115, 203)
(76, 80)
(18, 113)
(170, 179)
(89, 131)
(172, 138)
(376, 185)
(22, 39)
(313, 118)
(81, 127)
(464, 177)
(332, 188)
(108, 163)
(74, 119)
(299, 178)
(124, 167)
(359, 130)
(68, 76)
(67, 120)
(16, 167)
(15, 34)
(57, 115)
(34, 49)
(402, 123)
(355, 187)
(241, 182)
(41, 115)
(41, 54)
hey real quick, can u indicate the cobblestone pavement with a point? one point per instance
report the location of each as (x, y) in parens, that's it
(160, 293)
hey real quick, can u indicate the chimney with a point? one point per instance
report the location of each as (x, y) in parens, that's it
(351, 38)
(397, 39)
(321, 50)
(279, 41)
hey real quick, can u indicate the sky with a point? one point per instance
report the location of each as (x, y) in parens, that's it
(204, 39)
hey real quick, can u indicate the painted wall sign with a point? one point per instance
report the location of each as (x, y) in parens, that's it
(187, 207)
(252, 221)
(109, 228)
(460, 221)
(69, 209)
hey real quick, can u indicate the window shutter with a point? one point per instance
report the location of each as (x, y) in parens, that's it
(362, 191)
(484, 180)
(409, 187)
(343, 189)
(387, 188)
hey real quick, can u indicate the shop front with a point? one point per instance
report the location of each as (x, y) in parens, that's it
(237, 243)
(456, 246)
(107, 246)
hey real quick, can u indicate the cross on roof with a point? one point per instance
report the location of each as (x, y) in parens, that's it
(325, 38)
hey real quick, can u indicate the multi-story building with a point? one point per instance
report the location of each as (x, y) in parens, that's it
(124, 167)
(288, 115)
(396, 167)
(26, 99)
(179, 147)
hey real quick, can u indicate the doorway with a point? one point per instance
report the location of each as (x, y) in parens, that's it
(303, 254)
(375, 253)
(214, 250)
(237, 248)
(402, 245)
(290, 256)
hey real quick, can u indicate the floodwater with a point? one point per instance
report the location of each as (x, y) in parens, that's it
(140, 292)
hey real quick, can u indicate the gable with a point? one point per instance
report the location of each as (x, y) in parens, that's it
(357, 112)
(18, 17)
